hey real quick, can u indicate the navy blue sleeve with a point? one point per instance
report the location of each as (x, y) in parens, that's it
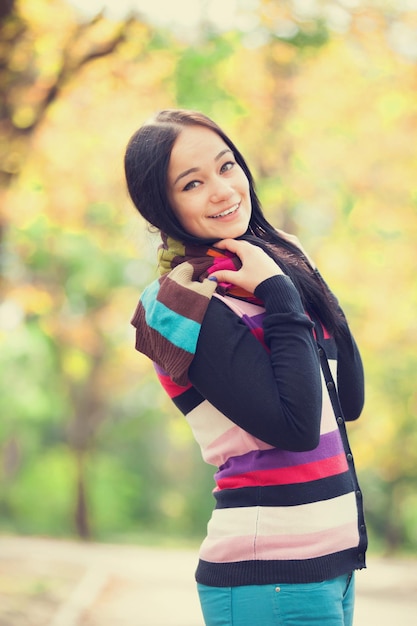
(350, 374)
(350, 377)
(274, 395)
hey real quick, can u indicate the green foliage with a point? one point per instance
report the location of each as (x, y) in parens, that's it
(41, 499)
(197, 74)
(314, 35)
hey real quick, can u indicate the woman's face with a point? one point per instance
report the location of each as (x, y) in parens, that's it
(207, 189)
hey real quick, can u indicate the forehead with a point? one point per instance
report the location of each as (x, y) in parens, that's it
(197, 144)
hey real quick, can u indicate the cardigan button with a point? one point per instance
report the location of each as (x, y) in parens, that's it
(340, 420)
(277, 589)
(330, 385)
(321, 352)
(349, 457)
(358, 494)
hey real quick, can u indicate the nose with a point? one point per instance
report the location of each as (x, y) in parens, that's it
(221, 190)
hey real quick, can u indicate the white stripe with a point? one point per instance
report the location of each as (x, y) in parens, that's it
(207, 423)
(219, 438)
(182, 275)
(333, 369)
(328, 420)
(290, 520)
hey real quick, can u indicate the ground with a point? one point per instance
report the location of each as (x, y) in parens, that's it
(46, 582)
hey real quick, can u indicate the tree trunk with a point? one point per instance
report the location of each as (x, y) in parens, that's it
(82, 523)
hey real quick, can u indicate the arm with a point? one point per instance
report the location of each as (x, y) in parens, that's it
(274, 396)
(350, 377)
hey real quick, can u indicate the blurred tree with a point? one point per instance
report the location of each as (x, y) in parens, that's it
(355, 189)
(36, 62)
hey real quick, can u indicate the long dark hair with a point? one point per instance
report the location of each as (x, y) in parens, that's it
(146, 165)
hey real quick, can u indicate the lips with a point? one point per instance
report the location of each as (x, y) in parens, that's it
(226, 212)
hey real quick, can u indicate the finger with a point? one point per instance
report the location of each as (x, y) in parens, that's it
(224, 243)
(232, 245)
(223, 276)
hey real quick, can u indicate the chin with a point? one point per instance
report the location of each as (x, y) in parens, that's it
(236, 232)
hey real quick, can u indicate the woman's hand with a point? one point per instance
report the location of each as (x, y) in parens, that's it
(257, 266)
(296, 242)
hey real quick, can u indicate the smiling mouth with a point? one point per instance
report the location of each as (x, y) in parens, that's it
(226, 212)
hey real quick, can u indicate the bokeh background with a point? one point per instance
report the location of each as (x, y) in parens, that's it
(321, 98)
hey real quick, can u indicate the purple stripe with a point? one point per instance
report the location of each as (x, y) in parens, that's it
(330, 445)
(159, 370)
(253, 321)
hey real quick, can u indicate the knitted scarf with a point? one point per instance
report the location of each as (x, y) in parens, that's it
(170, 311)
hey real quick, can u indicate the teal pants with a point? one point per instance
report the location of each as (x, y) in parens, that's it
(328, 603)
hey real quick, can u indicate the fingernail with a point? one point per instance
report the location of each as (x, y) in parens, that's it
(212, 278)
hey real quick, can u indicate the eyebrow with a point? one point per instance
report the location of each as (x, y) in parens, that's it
(196, 169)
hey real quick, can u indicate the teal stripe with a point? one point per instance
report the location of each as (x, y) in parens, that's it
(179, 330)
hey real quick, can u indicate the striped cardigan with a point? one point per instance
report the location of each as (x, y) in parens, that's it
(280, 515)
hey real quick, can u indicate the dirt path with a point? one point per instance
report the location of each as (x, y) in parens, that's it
(46, 582)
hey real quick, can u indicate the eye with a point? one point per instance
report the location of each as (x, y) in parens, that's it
(226, 167)
(191, 185)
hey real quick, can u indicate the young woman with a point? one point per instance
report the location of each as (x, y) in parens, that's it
(253, 348)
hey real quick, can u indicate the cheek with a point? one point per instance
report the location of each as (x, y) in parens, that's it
(185, 211)
(244, 183)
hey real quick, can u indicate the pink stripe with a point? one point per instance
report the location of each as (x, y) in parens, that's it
(326, 334)
(308, 546)
(172, 389)
(259, 334)
(287, 475)
(236, 439)
(280, 547)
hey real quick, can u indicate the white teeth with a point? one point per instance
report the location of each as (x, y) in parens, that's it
(226, 212)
